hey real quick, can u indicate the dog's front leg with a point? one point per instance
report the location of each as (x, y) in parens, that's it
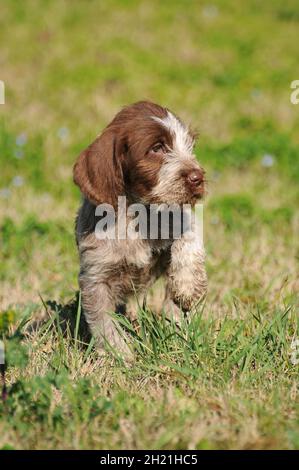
(187, 280)
(98, 304)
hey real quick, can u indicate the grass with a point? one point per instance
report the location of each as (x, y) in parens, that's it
(226, 378)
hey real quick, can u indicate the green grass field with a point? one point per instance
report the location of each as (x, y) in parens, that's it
(228, 378)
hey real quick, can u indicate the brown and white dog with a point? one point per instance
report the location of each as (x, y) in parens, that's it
(145, 154)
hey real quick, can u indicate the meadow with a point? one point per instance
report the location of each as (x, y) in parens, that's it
(228, 378)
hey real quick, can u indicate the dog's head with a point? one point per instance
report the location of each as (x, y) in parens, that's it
(145, 153)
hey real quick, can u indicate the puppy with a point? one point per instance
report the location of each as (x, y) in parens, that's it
(145, 155)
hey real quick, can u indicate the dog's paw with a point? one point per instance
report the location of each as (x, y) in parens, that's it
(116, 344)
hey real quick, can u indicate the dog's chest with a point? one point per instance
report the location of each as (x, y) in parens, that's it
(127, 265)
(145, 261)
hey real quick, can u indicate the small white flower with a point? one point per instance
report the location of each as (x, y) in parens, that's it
(63, 133)
(267, 160)
(5, 193)
(21, 139)
(18, 181)
(216, 175)
(214, 220)
(19, 154)
(46, 197)
(210, 12)
(256, 93)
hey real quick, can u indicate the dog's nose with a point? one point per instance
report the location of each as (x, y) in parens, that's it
(195, 178)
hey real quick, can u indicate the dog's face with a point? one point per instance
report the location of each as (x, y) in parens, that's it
(145, 153)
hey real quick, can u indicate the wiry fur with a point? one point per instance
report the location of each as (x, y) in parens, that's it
(122, 161)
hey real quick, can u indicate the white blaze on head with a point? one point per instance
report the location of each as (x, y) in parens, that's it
(182, 141)
(171, 187)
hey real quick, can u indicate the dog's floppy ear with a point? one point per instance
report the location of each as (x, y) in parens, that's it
(98, 170)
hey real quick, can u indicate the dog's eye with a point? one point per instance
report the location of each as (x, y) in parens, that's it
(157, 148)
